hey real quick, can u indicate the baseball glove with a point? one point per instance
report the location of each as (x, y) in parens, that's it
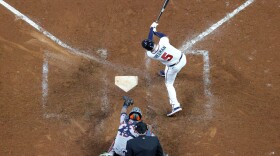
(127, 101)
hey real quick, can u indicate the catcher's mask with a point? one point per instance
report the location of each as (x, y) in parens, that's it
(148, 44)
(135, 114)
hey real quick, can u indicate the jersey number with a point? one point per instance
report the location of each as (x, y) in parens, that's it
(166, 57)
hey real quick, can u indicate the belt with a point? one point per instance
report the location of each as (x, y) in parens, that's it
(177, 62)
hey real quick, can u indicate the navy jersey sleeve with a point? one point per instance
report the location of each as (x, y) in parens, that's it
(159, 34)
(151, 34)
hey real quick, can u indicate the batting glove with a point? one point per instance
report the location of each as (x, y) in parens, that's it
(154, 25)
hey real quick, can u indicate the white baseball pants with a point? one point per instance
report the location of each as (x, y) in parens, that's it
(170, 76)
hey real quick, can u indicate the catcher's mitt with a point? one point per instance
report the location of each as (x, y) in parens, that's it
(127, 101)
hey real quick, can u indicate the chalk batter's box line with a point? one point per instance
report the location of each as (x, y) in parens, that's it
(45, 89)
(188, 45)
(206, 69)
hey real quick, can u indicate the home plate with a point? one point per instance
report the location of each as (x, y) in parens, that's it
(126, 83)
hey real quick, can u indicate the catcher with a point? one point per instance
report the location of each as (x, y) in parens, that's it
(126, 129)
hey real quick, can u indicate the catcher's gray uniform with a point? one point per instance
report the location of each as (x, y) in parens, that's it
(125, 133)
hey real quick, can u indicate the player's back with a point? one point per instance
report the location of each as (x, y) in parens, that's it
(165, 52)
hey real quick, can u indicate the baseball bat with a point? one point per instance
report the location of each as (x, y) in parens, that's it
(162, 9)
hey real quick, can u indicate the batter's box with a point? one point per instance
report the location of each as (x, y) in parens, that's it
(45, 90)
(208, 106)
(206, 70)
(72, 90)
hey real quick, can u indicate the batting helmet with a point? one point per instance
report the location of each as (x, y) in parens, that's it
(148, 44)
(135, 114)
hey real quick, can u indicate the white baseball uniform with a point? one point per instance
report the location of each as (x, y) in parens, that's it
(174, 60)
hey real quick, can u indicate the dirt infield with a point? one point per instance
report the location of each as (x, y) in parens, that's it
(59, 100)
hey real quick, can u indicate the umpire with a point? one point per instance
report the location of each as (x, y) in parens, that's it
(143, 145)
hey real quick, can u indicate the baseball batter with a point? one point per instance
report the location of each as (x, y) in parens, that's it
(173, 59)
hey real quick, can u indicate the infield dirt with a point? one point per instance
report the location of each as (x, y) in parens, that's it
(79, 112)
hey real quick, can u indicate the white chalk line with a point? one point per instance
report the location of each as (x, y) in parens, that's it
(204, 53)
(105, 100)
(206, 80)
(71, 50)
(148, 79)
(206, 70)
(45, 90)
(190, 43)
(184, 47)
(115, 67)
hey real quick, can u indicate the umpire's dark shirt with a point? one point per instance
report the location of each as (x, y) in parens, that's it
(144, 146)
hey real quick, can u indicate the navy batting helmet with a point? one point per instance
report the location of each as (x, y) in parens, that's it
(148, 44)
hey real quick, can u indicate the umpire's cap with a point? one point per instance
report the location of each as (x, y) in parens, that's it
(141, 127)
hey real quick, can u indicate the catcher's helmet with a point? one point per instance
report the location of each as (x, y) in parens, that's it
(148, 44)
(135, 114)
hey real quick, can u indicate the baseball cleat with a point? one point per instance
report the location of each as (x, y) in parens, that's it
(161, 73)
(174, 110)
(106, 154)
